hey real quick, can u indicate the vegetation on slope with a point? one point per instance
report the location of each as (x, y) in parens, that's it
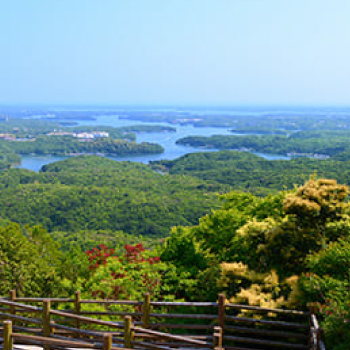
(247, 172)
(279, 251)
(65, 145)
(283, 250)
(96, 193)
(7, 156)
(272, 144)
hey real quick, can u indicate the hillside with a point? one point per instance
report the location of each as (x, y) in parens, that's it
(273, 144)
(281, 251)
(247, 172)
(96, 193)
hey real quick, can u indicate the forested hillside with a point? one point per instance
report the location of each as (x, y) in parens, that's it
(273, 144)
(65, 145)
(247, 172)
(284, 250)
(7, 156)
(97, 193)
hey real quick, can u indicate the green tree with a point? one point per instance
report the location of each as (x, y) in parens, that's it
(26, 264)
(327, 284)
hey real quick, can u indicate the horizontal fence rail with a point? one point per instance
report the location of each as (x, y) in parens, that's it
(156, 325)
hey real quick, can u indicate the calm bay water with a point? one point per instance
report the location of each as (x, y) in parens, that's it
(166, 140)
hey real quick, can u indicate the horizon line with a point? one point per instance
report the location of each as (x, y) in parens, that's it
(171, 105)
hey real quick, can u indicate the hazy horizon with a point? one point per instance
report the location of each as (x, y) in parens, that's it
(173, 106)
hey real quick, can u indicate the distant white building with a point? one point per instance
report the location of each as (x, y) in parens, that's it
(83, 135)
(91, 135)
(100, 134)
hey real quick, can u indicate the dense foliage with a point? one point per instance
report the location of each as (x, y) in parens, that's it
(247, 172)
(283, 250)
(7, 156)
(272, 144)
(27, 128)
(95, 193)
(30, 262)
(279, 251)
(66, 145)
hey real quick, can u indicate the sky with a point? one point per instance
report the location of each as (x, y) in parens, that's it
(169, 52)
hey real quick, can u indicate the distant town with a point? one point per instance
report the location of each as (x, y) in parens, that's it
(80, 135)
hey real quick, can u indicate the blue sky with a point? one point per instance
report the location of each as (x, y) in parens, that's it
(220, 52)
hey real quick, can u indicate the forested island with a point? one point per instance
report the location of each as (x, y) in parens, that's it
(293, 145)
(31, 128)
(38, 137)
(66, 145)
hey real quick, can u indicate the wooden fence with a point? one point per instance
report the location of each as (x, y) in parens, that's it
(64, 323)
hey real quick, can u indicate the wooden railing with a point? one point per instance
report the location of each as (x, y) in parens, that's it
(156, 325)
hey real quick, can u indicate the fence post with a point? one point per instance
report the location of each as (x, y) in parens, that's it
(221, 311)
(8, 342)
(12, 298)
(46, 320)
(77, 309)
(221, 315)
(146, 308)
(218, 335)
(107, 341)
(318, 337)
(128, 332)
(311, 343)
